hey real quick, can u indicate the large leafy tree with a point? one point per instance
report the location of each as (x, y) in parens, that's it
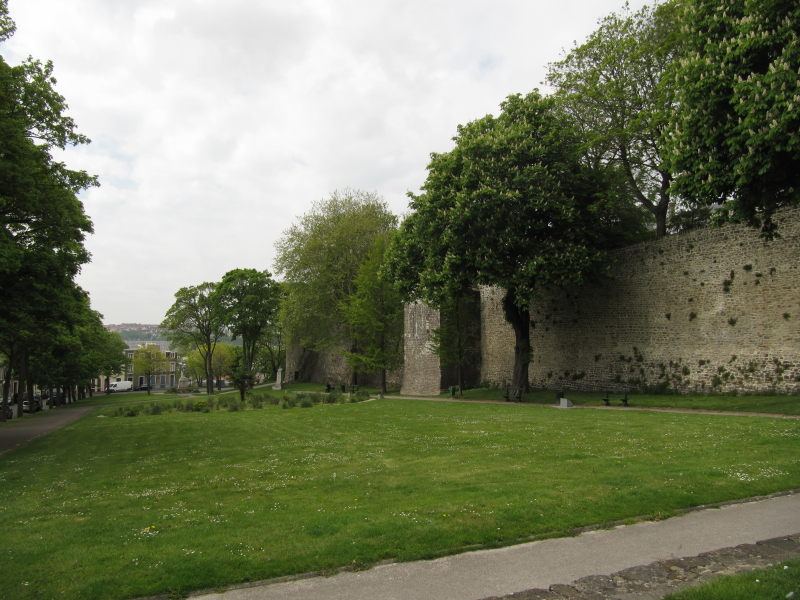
(374, 313)
(42, 222)
(512, 205)
(319, 259)
(196, 320)
(615, 88)
(250, 301)
(735, 140)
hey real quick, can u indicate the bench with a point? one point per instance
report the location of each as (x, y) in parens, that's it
(625, 401)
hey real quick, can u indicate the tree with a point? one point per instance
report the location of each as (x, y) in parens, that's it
(271, 353)
(197, 320)
(110, 353)
(319, 259)
(614, 87)
(456, 340)
(249, 300)
(196, 366)
(7, 26)
(150, 361)
(222, 362)
(241, 377)
(734, 142)
(374, 313)
(42, 221)
(512, 205)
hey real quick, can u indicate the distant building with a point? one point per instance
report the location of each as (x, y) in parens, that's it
(167, 379)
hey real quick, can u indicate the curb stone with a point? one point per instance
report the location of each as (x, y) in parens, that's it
(656, 580)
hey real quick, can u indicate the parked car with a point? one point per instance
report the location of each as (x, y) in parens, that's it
(31, 406)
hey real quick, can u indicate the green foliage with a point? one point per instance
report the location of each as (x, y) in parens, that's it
(734, 139)
(512, 205)
(320, 258)
(249, 300)
(7, 26)
(196, 320)
(614, 87)
(500, 210)
(374, 312)
(47, 331)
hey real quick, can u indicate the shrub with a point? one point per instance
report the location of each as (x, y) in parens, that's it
(306, 402)
(661, 387)
(359, 396)
(154, 409)
(201, 406)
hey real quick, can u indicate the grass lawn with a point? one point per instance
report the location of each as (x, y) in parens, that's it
(777, 582)
(786, 405)
(102, 399)
(116, 507)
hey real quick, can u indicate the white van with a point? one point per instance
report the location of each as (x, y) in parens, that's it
(121, 386)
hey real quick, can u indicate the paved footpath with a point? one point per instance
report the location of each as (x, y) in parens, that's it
(21, 431)
(505, 571)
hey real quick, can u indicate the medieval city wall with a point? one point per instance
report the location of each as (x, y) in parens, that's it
(331, 367)
(421, 373)
(709, 310)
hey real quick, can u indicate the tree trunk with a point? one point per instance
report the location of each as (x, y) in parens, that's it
(354, 373)
(6, 390)
(209, 374)
(22, 378)
(660, 210)
(520, 320)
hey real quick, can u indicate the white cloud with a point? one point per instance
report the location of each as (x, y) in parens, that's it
(216, 125)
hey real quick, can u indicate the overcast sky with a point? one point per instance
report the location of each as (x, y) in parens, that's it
(215, 124)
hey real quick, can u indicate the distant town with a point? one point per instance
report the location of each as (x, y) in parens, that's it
(138, 331)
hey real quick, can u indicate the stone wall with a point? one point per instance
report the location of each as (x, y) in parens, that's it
(330, 367)
(422, 375)
(709, 310)
(714, 310)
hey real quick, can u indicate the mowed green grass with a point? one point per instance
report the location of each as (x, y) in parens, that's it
(785, 405)
(126, 507)
(774, 583)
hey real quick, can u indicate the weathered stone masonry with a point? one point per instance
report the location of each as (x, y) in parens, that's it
(710, 310)
(421, 370)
